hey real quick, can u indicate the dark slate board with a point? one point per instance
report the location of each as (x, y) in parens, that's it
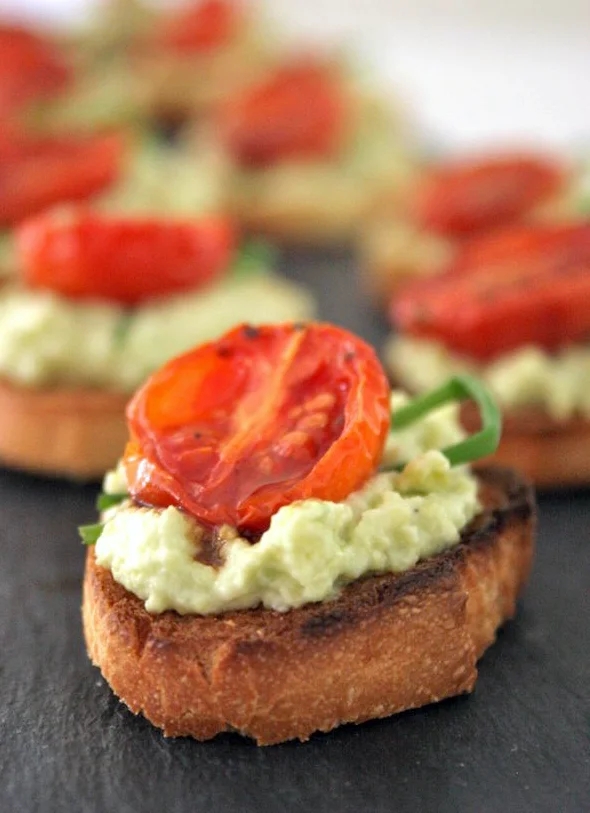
(520, 743)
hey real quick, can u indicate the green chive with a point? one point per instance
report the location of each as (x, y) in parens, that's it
(105, 501)
(459, 388)
(90, 533)
(256, 257)
(122, 327)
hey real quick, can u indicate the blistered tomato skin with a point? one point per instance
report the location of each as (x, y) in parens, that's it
(464, 198)
(299, 112)
(36, 173)
(237, 428)
(83, 254)
(527, 285)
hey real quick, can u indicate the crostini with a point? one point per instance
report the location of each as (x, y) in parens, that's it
(446, 204)
(287, 546)
(514, 309)
(97, 303)
(312, 152)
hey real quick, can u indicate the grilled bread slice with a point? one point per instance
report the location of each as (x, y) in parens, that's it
(66, 432)
(550, 452)
(387, 643)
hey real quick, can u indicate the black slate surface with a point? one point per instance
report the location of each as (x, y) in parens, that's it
(520, 743)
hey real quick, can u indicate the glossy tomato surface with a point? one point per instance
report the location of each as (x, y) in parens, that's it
(38, 172)
(299, 112)
(31, 68)
(527, 285)
(81, 254)
(201, 27)
(237, 428)
(462, 198)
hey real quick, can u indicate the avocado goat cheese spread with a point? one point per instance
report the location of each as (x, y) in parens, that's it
(312, 547)
(559, 383)
(46, 340)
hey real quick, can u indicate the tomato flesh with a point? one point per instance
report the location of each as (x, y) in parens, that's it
(525, 285)
(237, 428)
(36, 173)
(201, 27)
(31, 68)
(81, 254)
(299, 112)
(464, 198)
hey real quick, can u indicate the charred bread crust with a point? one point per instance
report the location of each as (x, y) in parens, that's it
(66, 432)
(386, 644)
(551, 453)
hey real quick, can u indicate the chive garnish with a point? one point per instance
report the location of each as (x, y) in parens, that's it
(459, 388)
(255, 257)
(122, 327)
(105, 501)
(90, 533)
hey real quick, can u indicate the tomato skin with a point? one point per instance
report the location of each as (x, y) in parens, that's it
(299, 112)
(31, 68)
(237, 428)
(36, 173)
(81, 254)
(201, 27)
(524, 285)
(463, 198)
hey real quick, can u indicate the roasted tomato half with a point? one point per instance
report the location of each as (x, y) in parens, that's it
(463, 198)
(38, 172)
(526, 285)
(31, 69)
(239, 427)
(200, 27)
(82, 254)
(298, 112)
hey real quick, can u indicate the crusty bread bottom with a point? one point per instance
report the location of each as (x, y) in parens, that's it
(386, 644)
(68, 432)
(552, 454)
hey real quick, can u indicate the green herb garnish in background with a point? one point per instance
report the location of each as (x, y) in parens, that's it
(457, 389)
(122, 327)
(255, 257)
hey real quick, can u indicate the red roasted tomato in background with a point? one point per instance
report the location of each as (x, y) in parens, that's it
(201, 26)
(38, 172)
(31, 69)
(239, 427)
(463, 198)
(82, 254)
(298, 112)
(525, 285)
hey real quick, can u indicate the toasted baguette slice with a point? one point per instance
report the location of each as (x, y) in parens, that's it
(67, 432)
(386, 644)
(551, 453)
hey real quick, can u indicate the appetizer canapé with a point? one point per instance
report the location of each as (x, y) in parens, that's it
(97, 303)
(312, 150)
(513, 308)
(286, 546)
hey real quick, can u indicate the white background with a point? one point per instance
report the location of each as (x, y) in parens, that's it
(473, 71)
